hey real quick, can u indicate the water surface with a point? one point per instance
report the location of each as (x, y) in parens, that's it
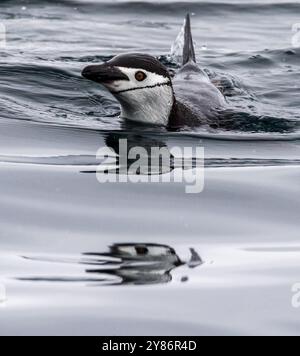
(79, 257)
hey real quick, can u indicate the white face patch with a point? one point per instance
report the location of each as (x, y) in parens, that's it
(150, 80)
(146, 97)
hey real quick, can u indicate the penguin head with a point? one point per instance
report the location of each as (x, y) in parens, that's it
(140, 83)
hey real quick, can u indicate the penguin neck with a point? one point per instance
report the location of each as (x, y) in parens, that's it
(150, 106)
(181, 115)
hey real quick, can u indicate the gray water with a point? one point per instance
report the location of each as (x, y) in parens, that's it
(79, 257)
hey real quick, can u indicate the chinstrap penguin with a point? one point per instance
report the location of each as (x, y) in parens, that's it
(147, 93)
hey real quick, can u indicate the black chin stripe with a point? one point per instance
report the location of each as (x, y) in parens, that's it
(146, 87)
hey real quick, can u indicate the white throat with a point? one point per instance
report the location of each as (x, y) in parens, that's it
(148, 101)
(149, 105)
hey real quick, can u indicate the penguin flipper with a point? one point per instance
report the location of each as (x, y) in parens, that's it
(188, 54)
(182, 50)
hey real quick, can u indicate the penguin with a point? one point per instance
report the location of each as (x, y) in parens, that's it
(149, 95)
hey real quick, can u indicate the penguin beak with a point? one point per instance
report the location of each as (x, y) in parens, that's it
(103, 73)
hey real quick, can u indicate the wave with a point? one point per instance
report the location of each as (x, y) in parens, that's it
(203, 8)
(55, 93)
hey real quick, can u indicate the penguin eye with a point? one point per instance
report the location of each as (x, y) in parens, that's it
(140, 76)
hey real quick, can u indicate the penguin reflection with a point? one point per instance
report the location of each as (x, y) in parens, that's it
(137, 264)
(123, 264)
(141, 155)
